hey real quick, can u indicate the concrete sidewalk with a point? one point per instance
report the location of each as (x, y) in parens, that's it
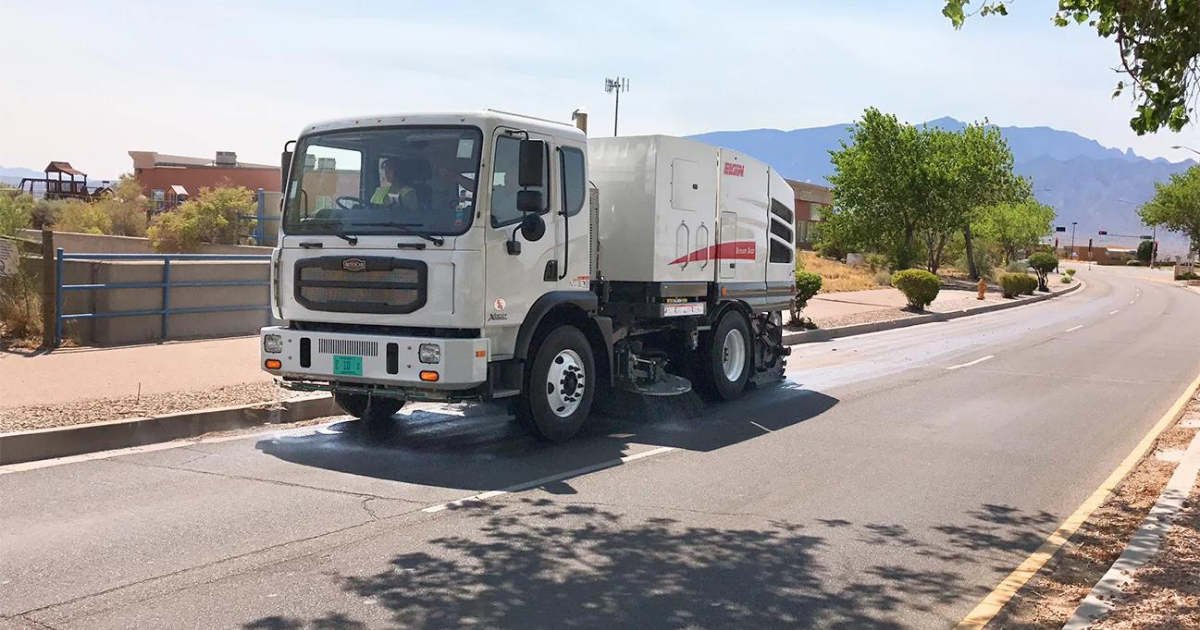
(75, 374)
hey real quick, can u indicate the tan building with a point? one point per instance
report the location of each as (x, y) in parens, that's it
(169, 179)
(1099, 254)
(810, 199)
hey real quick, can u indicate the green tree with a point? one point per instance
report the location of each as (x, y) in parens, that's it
(211, 217)
(1176, 205)
(878, 184)
(1158, 42)
(1015, 225)
(1145, 252)
(1043, 263)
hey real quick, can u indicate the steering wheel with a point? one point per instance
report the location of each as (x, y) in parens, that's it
(347, 198)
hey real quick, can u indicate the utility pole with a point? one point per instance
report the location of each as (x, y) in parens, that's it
(1073, 224)
(616, 86)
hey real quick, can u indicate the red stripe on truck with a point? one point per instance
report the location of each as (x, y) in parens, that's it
(737, 250)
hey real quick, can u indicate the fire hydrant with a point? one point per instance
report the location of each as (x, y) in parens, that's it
(982, 288)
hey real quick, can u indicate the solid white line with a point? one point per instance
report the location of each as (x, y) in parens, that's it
(970, 363)
(1115, 312)
(529, 485)
(1075, 328)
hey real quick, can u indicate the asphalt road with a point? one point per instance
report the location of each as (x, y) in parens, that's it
(876, 488)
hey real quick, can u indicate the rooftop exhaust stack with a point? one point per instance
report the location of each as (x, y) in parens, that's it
(226, 158)
(580, 119)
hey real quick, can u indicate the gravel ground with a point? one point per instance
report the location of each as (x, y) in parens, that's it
(45, 416)
(1166, 592)
(1048, 600)
(899, 313)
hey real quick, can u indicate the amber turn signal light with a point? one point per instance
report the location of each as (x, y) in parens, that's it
(429, 376)
(273, 364)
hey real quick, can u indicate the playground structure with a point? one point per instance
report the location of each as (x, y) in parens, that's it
(51, 188)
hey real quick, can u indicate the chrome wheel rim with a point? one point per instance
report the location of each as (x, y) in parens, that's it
(565, 383)
(733, 355)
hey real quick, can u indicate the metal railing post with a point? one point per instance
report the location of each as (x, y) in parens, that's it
(58, 297)
(259, 232)
(50, 279)
(166, 295)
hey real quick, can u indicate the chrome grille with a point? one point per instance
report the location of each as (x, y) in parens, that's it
(380, 284)
(348, 346)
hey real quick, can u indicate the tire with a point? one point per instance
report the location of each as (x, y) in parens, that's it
(372, 410)
(725, 360)
(560, 385)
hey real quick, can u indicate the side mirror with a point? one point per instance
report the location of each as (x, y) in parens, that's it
(530, 201)
(285, 165)
(533, 228)
(531, 164)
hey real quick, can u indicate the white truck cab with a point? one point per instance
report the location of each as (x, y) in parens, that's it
(490, 255)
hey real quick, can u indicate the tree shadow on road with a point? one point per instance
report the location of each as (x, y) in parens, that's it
(536, 563)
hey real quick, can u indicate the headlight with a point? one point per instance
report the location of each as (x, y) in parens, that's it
(429, 353)
(272, 344)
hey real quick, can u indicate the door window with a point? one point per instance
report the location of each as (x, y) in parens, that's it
(574, 184)
(505, 183)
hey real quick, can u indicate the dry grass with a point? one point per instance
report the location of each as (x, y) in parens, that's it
(1047, 600)
(837, 277)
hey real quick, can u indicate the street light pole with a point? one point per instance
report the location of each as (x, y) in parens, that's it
(1180, 146)
(1073, 224)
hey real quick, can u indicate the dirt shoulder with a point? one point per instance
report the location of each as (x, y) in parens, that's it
(1169, 593)
(100, 409)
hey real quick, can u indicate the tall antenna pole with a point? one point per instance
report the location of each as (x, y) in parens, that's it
(616, 86)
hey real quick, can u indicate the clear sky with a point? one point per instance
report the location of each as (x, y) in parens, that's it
(86, 81)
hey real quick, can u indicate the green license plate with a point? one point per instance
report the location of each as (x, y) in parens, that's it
(347, 366)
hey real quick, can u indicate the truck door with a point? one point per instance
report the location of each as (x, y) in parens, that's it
(514, 281)
(728, 235)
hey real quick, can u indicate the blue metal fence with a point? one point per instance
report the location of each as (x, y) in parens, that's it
(166, 284)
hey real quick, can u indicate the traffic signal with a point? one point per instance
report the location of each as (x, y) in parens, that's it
(1103, 232)
(1060, 228)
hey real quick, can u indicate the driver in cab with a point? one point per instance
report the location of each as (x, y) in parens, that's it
(404, 180)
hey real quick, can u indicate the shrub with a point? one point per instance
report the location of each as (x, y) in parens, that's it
(86, 218)
(1031, 285)
(807, 285)
(1043, 263)
(1071, 272)
(1017, 266)
(919, 286)
(875, 262)
(211, 217)
(883, 278)
(15, 211)
(1188, 275)
(1065, 279)
(1145, 251)
(1133, 263)
(20, 305)
(1011, 284)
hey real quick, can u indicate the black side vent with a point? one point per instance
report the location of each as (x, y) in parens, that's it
(305, 352)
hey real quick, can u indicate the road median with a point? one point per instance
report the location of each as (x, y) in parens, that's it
(792, 338)
(37, 444)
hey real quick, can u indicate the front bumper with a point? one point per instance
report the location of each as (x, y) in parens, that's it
(376, 360)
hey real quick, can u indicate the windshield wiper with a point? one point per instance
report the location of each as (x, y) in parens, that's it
(349, 238)
(407, 229)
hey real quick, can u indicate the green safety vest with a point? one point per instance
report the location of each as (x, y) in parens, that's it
(408, 196)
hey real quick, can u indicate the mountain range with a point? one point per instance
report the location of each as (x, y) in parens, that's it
(1096, 186)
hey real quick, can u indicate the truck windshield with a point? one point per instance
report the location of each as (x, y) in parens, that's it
(415, 180)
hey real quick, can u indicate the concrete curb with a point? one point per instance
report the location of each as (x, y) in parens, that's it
(27, 446)
(1143, 546)
(825, 334)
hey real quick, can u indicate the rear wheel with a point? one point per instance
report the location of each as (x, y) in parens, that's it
(726, 361)
(372, 410)
(560, 384)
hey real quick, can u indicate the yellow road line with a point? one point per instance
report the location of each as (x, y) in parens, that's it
(991, 605)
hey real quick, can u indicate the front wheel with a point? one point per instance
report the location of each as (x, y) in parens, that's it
(372, 410)
(560, 384)
(726, 361)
